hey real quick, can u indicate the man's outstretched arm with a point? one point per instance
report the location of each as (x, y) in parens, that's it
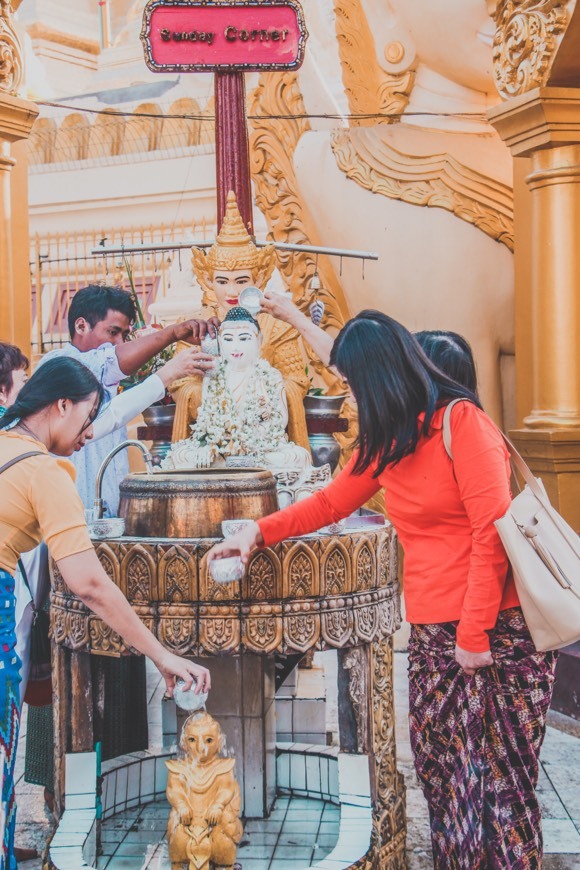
(133, 354)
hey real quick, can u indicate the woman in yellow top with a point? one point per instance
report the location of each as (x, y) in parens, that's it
(54, 414)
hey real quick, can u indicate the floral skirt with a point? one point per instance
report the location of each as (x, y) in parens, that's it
(9, 712)
(476, 742)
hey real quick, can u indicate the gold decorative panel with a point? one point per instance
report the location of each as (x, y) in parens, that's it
(316, 592)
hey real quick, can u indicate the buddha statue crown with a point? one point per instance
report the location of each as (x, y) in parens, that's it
(233, 251)
(238, 314)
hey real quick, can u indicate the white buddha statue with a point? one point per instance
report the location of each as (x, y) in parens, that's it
(244, 411)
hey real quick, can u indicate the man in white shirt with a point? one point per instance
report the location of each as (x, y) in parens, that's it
(99, 321)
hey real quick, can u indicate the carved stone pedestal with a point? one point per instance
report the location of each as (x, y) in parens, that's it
(316, 592)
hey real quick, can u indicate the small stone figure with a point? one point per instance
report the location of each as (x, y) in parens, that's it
(204, 827)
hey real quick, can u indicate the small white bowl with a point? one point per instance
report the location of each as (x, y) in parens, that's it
(232, 527)
(226, 570)
(251, 299)
(332, 529)
(188, 700)
(247, 461)
(107, 527)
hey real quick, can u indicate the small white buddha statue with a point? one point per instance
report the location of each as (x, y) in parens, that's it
(244, 410)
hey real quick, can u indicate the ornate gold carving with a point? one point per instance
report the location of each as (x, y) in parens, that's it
(109, 559)
(272, 146)
(365, 568)
(104, 640)
(272, 617)
(527, 36)
(389, 821)
(219, 629)
(138, 579)
(366, 622)
(370, 90)
(336, 571)
(336, 624)
(262, 627)
(261, 577)
(11, 66)
(300, 571)
(437, 181)
(357, 665)
(177, 628)
(177, 572)
(301, 625)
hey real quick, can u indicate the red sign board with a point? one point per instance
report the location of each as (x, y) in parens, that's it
(210, 35)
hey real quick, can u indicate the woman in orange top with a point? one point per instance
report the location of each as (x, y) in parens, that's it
(53, 414)
(479, 691)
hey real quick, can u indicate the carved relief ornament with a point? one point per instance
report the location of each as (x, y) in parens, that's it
(370, 89)
(435, 180)
(11, 65)
(528, 33)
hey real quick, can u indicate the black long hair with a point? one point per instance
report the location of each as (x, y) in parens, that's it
(60, 378)
(451, 353)
(393, 382)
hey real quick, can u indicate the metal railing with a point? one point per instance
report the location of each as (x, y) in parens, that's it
(63, 263)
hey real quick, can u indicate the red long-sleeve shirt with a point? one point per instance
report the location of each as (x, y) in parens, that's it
(455, 565)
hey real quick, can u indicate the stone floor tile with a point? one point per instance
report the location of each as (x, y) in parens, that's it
(249, 853)
(297, 853)
(561, 862)
(125, 863)
(561, 836)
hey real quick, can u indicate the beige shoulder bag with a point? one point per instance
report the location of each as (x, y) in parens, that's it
(544, 552)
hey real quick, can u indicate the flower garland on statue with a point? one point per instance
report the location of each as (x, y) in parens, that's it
(253, 429)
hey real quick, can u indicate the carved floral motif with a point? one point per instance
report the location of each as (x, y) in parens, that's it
(365, 569)
(11, 66)
(433, 180)
(261, 578)
(528, 33)
(336, 573)
(296, 596)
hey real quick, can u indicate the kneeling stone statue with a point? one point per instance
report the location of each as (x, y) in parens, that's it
(204, 826)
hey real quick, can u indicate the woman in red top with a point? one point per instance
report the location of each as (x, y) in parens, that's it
(479, 691)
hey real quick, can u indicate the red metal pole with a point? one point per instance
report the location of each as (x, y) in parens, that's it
(231, 141)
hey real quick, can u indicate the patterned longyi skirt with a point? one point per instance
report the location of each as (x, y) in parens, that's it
(9, 713)
(476, 742)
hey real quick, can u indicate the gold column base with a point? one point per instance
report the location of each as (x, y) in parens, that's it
(554, 455)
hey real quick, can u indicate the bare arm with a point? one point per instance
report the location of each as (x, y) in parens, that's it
(282, 307)
(133, 354)
(85, 576)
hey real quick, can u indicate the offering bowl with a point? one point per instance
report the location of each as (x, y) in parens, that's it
(241, 461)
(232, 527)
(226, 570)
(188, 700)
(107, 527)
(251, 299)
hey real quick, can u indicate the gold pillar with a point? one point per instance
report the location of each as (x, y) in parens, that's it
(16, 119)
(22, 309)
(544, 126)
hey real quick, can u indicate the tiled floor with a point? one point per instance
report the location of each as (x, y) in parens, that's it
(298, 833)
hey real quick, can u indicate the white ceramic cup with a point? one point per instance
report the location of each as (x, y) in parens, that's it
(227, 570)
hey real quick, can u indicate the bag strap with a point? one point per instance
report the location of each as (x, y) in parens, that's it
(518, 464)
(27, 584)
(22, 456)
